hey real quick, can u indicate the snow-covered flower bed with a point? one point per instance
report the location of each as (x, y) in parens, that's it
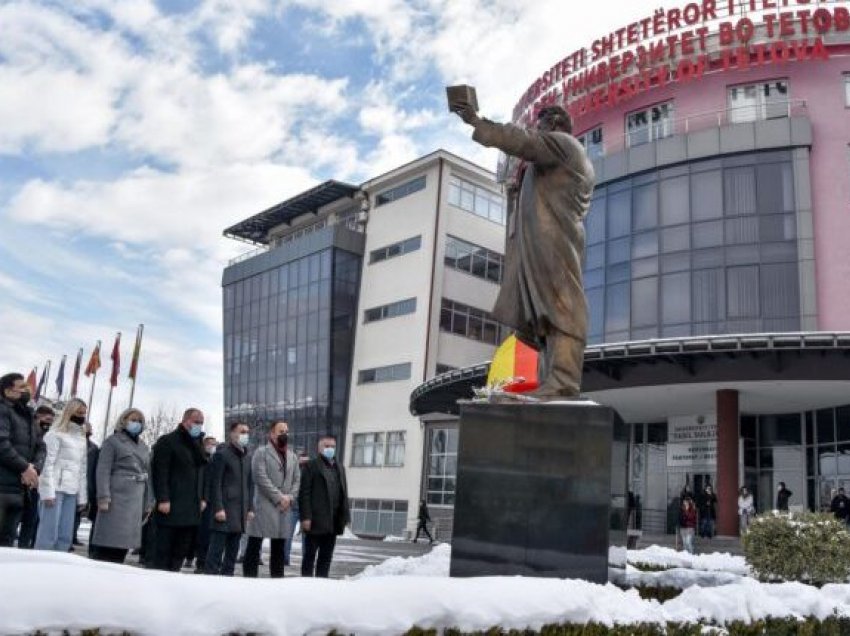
(52, 591)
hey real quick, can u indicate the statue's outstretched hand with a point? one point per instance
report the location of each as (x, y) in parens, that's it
(466, 112)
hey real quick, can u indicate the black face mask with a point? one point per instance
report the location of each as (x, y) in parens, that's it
(282, 439)
(45, 426)
(24, 399)
(78, 419)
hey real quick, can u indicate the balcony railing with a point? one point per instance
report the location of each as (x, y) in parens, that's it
(704, 121)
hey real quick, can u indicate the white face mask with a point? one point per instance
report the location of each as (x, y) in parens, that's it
(244, 438)
(211, 450)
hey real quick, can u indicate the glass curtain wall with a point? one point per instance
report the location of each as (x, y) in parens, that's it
(288, 345)
(706, 248)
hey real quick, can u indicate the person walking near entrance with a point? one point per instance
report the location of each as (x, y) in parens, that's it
(840, 506)
(122, 490)
(707, 513)
(746, 510)
(323, 501)
(229, 501)
(782, 497)
(276, 478)
(177, 470)
(688, 524)
(422, 526)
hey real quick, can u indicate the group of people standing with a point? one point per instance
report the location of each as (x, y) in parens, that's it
(168, 493)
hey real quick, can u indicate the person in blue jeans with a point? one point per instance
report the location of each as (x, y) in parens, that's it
(62, 485)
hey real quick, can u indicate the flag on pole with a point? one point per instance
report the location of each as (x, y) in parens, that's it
(60, 377)
(31, 381)
(134, 363)
(76, 377)
(41, 382)
(514, 364)
(94, 361)
(116, 360)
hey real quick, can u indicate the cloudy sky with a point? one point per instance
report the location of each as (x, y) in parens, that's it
(133, 132)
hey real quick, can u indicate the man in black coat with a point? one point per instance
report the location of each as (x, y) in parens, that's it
(782, 497)
(29, 521)
(92, 455)
(21, 453)
(177, 473)
(424, 517)
(229, 501)
(323, 506)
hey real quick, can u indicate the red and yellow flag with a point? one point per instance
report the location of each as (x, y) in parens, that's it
(134, 363)
(516, 360)
(94, 361)
(31, 380)
(116, 360)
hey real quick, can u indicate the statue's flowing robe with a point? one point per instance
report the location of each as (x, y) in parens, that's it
(542, 286)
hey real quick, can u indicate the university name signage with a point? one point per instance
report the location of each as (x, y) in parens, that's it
(673, 46)
(692, 443)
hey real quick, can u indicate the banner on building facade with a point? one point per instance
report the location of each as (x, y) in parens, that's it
(692, 442)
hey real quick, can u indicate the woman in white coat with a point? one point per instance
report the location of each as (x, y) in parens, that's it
(746, 510)
(62, 483)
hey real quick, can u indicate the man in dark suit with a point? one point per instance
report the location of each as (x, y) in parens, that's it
(229, 477)
(177, 472)
(323, 505)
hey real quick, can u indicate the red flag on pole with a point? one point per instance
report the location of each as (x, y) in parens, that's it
(31, 381)
(77, 366)
(116, 360)
(134, 363)
(94, 361)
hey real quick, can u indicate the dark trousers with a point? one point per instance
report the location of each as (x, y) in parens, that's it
(29, 520)
(112, 555)
(147, 552)
(422, 527)
(173, 546)
(222, 552)
(318, 550)
(202, 540)
(251, 563)
(11, 509)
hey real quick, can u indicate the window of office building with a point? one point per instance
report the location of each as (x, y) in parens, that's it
(378, 517)
(751, 102)
(469, 322)
(400, 308)
(399, 192)
(391, 373)
(708, 248)
(649, 124)
(592, 142)
(367, 449)
(396, 249)
(473, 259)
(395, 449)
(477, 200)
(441, 466)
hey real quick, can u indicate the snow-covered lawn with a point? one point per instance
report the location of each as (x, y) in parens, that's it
(51, 591)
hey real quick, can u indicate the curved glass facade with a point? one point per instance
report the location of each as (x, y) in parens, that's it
(704, 248)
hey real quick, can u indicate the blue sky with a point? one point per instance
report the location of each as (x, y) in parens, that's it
(135, 131)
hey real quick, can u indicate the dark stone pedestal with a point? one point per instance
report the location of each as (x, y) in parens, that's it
(533, 490)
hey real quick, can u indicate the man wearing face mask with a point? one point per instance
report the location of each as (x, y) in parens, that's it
(21, 452)
(229, 500)
(44, 416)
(201, 542)
(92, 455)
(323, 504)
(276, 480)
(177, 473)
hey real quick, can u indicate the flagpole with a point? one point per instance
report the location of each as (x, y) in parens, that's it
(134, 365)
(62, 384)
(93, 380)
(111, 387)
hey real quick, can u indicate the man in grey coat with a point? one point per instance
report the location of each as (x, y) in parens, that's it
(276, 479)
(229, 500)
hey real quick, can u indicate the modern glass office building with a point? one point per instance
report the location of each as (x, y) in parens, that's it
(289, 315)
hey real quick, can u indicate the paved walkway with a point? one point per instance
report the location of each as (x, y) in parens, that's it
(351, 556)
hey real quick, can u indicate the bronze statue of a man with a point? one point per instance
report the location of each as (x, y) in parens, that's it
(542, 296)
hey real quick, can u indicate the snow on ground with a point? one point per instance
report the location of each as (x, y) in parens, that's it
(669, 558)
(54, 591)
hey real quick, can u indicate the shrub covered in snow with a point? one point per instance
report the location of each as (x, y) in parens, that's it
(810, 547)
